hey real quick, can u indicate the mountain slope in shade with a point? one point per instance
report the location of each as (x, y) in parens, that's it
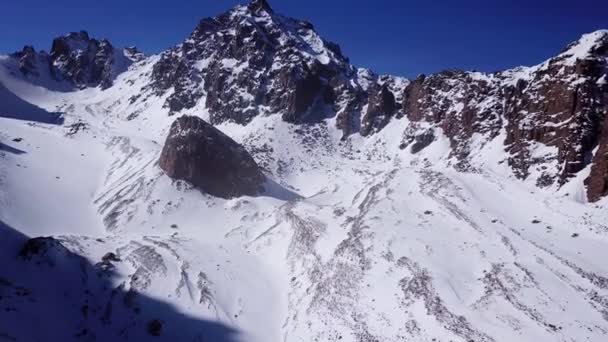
(452, 207)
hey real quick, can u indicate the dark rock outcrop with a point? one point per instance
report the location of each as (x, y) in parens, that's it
(260, 5)
(155, 327)
(134, 54)
(251, 61)
(562, 106)
(44, 251)
(380, 109)
(83, 61)
(558, 106)
(27, 61)
(199, 153)
(423, 140)
(460, 103)
(78, 59)
(597, 182)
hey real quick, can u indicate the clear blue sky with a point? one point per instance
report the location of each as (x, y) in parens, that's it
(401, 37)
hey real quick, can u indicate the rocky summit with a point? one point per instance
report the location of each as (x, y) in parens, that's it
(79, 60)
(199, 153)
(251, 184)
(252, 61)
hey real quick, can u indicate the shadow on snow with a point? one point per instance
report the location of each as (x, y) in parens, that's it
(48, 292)
(10, 149)
(14, 107)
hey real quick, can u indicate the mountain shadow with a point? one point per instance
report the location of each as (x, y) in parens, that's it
(14, 107)
(50, 293)
(10, 149)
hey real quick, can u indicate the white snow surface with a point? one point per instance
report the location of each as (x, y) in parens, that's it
(353, 240)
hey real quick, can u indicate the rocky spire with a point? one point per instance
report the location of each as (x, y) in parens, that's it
(85, 61)
(258, 6)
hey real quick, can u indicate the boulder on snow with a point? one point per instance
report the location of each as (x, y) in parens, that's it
(422, 141)
(197, 152)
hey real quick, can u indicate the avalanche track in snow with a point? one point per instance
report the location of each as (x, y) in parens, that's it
(354, 239)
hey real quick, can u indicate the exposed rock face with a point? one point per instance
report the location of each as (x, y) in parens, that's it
(597, 182)
(423, 140)
(133, 54)
(552, 113)
(260, 5)
(84, 61)
(79, 59)
(27, 61)
(561, 105)
(199, 153)
(380, 110)
(251, 61)
(460, 103)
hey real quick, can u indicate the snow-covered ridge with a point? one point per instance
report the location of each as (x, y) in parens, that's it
(587, 46)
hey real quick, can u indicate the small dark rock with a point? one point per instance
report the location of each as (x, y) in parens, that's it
(155, 327)
(422, 141)
(110, 257)
(77, 127)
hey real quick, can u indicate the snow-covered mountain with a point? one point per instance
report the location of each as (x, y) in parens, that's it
(250, 184)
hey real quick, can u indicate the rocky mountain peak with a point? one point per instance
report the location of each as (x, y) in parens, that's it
(84, 61)
(589, 45)
(28, 61)
(80, 36)
(251, 61)
(258, 6)
(133, 53)
(78, 59)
